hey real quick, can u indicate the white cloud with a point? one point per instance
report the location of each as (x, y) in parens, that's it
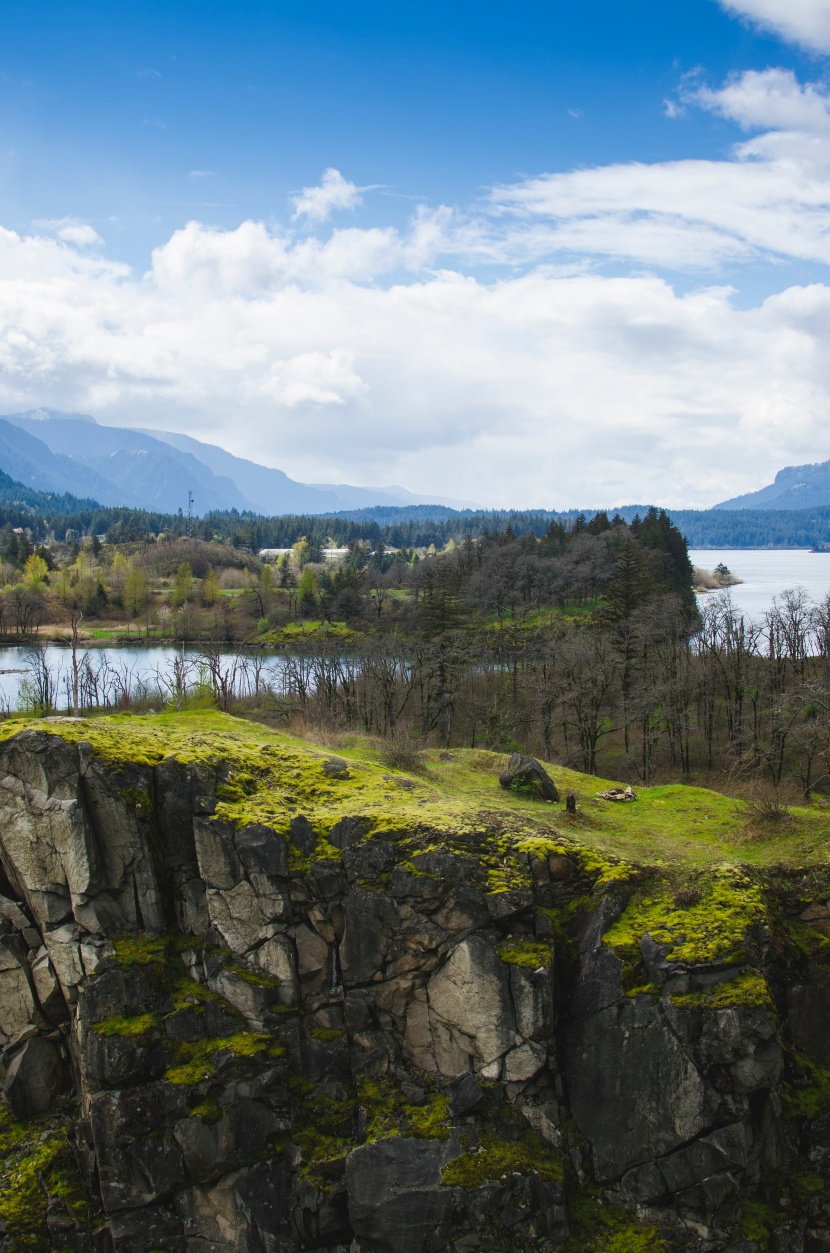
(200, 173)
(772, 197)
(71, 231)
(805, 22)
(315, 378)
(334, 192)
(766, 98)
(396, 355)
(535, 389)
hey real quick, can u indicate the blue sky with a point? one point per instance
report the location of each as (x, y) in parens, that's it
(137, 117)
(588, 233)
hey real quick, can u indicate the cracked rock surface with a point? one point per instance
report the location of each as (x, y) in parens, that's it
(273, 1037)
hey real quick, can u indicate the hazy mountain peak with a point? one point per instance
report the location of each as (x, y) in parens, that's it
(45, 415)
(50, 450)
(794, 487)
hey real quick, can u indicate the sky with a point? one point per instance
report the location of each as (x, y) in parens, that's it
(529, 255)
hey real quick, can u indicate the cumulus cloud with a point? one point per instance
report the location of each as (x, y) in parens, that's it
(805, 22)
(531, 389)
(765, 98)
(334, 192)
(479, 352)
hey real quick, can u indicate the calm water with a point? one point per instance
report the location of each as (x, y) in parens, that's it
(767, 573)
(116, 668)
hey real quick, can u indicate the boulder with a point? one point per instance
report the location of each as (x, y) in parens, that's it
(302, 835)
(34, 1079)
(471, 1010)
(371, 921)
(347, 831)
(17, 1002)
(808, 1017)
(396, 1202)
(139, 1161)
(262, 850)
(528, 777)
(634, 1092)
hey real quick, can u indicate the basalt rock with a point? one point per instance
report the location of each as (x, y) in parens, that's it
(261, 1039)
(528, 777)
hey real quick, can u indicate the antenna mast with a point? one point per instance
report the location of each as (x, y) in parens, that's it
(190, 503)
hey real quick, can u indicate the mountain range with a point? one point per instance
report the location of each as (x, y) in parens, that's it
(794, 487)
(51, 451)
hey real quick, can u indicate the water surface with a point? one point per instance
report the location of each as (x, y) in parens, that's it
(115, 669)
(766, 573)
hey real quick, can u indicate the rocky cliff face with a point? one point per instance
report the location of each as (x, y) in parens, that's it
(251, 1003)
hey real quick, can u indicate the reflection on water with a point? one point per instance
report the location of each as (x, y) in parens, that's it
(108, 672)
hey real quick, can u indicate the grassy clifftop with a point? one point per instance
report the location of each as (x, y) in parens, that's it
(694, 865)
(269, 777)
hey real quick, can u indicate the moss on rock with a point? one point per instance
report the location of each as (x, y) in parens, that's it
(525, 951)
(599, 1227)
(195, 1063)
(141, 1027)
(750, 988)
(388, 1112)
(714, 930)
(496, 1158)
(36, 1166)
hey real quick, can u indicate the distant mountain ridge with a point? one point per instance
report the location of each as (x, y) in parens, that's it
(47, 450)
(794, 487)
(27, 500)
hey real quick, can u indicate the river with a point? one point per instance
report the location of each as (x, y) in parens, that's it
(766, 572)
(116, 669)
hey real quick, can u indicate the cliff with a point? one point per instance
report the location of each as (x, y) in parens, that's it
(258, 997)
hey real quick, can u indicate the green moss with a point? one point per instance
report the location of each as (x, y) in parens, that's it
(140, 949)
(323, 1128)
(597, 1227)
(807, 1092)
(188, 994)
(38, 1165)
(142, 1027)
(256, 978)
(12, 1133)
(496, 1158)
(715, 929)
(639, 989)
(803, 938)
(196, 1062)
(758, 1219)
(208, 1109)
(389, 1113)
(138, 800)
(748, 989)
(804, 1183)
(262, 776)
(509, 877)
(527, 952)
(327, 1034)
(761, 1215)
